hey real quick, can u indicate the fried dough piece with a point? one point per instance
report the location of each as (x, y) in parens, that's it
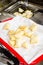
(12, 43)
(24, 14)
(11, 32)
(33, 27)
(18, 43)
(25, 45)
(34, 39)
(12, 37)
(28, 34)
(21, 10)
(23, 28)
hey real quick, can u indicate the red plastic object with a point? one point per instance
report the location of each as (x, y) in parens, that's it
(22, 61)
(7, 19)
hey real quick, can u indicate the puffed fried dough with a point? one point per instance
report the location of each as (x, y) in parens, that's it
(16, 37)
(16, 13)
(24, 14)
(28, 16)
(33, 27)
(23, 28)
(6, 26)
(28, 34)
(34, 39)
(12, 37)
(11, 32)
(28, 11)
(17, 46)
(18, 43)
(21, 10)
(25, 45)
(19, 35)
(17, 31)
(12, 43)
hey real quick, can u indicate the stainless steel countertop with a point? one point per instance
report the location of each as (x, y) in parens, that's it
(4, 16)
